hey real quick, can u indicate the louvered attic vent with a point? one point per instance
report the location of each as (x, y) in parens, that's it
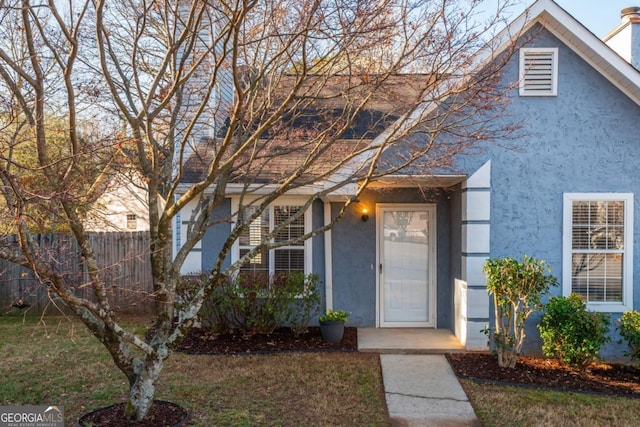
(538, 72)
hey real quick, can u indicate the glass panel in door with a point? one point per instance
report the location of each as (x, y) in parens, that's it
(406, 288)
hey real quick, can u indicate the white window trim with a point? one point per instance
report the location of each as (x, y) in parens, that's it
(554, 70)
(627, 267)
(177, 233)
(283, 201)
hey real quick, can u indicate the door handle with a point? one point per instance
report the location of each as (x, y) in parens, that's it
(380, 268)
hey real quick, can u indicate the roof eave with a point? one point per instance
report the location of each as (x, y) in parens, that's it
(417, 181)
(234, 189)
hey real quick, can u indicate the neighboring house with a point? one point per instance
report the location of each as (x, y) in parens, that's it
(121, 205)
(564, 191)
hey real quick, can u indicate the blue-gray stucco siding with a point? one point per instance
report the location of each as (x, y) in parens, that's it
(584, 140)
(354, 252)
(216, 235)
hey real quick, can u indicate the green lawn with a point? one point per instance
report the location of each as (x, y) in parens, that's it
(499, 406)
(58, 362)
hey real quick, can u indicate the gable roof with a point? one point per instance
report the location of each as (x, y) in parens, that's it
(578, 38)
(281, 154)
(546, 13)
(563, 26)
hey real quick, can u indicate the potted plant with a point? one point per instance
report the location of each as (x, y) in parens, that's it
(332, 325)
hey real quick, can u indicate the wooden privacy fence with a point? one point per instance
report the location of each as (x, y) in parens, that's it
(122, 257)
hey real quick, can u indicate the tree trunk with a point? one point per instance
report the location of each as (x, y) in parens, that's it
(143, 387)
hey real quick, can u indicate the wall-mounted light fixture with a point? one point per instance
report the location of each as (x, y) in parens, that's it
(365, 214)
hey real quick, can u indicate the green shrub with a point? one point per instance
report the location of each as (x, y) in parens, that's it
(306, 303)
(572, 334)
(258, 304)
(516, 288)
(187, 291)
(629, 327)
(212, 314)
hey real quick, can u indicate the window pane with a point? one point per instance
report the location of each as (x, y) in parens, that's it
(579, 264)
(614, 290)
(290, 257)
(598, 224)
(615, 236)
(580, 213)
(597, 255)
(606, 237)
(580, 285)
(615, 214)
(257, 230)
(288, 260)
(260, 262)
(614, 265)
(613, 277)
(598, 238)
(596, 289)
(580, 237)
(291, 231)
(597, 277)
(132, 221)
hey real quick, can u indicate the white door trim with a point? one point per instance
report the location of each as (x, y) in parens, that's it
(432, 292)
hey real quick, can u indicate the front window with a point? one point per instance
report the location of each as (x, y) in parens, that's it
(598, 250)
(290, 257)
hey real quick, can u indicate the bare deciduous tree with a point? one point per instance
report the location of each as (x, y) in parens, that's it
(227, 86)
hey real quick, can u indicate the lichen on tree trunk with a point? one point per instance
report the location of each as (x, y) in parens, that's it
(142, 389)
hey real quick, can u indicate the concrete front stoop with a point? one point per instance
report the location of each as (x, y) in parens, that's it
(408, 341)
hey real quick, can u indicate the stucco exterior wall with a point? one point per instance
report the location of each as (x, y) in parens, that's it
(626, 42)
(353, 252)
(215, 237)
(584, 140)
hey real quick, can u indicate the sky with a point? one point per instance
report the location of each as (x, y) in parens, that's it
(599, 16)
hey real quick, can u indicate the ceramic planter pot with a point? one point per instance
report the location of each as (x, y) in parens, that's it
(332, 330)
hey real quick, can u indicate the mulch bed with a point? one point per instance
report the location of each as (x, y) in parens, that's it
(202, 341)
(161, 414)
(617, 379)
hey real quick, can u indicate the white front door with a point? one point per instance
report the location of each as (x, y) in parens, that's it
(406, 256)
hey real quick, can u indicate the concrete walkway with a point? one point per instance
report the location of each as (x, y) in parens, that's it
(422, 391)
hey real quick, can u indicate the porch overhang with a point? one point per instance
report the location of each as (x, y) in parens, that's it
(417, 181)
(396, 181)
